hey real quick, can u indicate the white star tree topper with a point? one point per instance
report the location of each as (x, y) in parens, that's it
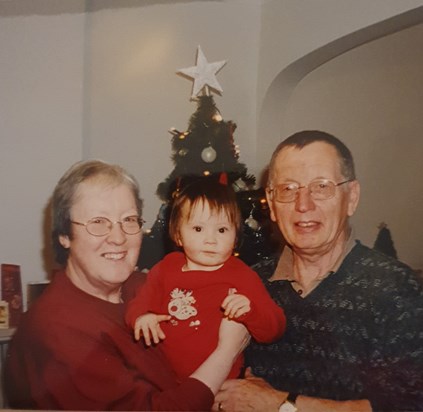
(204, 74)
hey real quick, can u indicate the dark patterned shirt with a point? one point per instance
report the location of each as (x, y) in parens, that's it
(358, 335)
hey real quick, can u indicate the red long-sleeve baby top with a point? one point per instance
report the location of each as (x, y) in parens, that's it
(193, 299)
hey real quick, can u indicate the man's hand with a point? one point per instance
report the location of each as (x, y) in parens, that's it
(247, 395)
(148, 326)
(253, 394)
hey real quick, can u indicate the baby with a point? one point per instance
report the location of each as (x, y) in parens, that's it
(186, 294)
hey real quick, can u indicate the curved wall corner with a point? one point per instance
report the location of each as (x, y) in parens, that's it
(276, 97)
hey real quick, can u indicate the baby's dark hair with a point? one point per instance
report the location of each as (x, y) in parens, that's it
(206, 190)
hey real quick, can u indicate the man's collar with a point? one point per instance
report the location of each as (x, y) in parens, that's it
(284, 270)
(285, 267)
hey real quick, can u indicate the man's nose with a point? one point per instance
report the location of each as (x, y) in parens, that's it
(303, 201)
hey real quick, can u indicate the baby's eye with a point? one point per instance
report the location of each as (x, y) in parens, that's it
(197, 228)
(223, 229)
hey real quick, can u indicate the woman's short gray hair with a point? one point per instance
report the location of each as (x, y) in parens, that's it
(64, 195)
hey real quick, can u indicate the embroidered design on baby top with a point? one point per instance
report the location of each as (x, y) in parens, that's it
(181, 306)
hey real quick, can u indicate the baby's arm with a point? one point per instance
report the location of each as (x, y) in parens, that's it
(148, 325)
(235, 305)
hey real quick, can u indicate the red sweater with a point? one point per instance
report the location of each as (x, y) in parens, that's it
(194, 300)
(73, 351)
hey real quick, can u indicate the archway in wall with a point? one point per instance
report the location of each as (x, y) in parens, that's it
(278, 94)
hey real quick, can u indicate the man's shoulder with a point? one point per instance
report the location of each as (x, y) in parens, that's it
(368, 257)
(382, 270)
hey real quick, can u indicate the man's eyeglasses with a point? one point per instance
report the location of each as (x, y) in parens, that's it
(101, 226)
(319, 190)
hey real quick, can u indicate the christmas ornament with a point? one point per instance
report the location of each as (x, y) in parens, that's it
(217, 117)
(183, 152)
(223, 178)
(251, 222)
(204, 74)
(239, 185)
(208, 154)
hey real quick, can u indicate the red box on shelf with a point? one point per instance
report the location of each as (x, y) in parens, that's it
(11, 291)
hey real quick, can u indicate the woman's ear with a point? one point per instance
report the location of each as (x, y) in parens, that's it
(64, 241)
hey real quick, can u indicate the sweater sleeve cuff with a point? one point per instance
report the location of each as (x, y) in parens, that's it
(198, 395)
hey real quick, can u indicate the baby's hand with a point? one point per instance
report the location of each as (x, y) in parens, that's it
(148, 325)
(235, 305)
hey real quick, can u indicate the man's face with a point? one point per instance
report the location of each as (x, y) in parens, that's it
(313, 227)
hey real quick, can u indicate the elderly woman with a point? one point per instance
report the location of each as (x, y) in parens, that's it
(72, 350)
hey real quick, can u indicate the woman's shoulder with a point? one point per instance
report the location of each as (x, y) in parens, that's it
(51, 309)
(129, 288)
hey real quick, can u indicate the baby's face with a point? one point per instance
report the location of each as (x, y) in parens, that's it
(207, 237)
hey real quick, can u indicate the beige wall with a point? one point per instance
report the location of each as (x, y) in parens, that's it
(41, 111)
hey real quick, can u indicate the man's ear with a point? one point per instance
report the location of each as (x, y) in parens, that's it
(354, 197)
(269, 197)
(64, 241)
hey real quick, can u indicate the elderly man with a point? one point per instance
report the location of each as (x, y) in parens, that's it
(354, 339)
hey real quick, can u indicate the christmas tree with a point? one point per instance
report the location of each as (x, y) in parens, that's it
(207, 149)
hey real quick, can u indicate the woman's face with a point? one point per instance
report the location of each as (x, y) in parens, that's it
(99, 264)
